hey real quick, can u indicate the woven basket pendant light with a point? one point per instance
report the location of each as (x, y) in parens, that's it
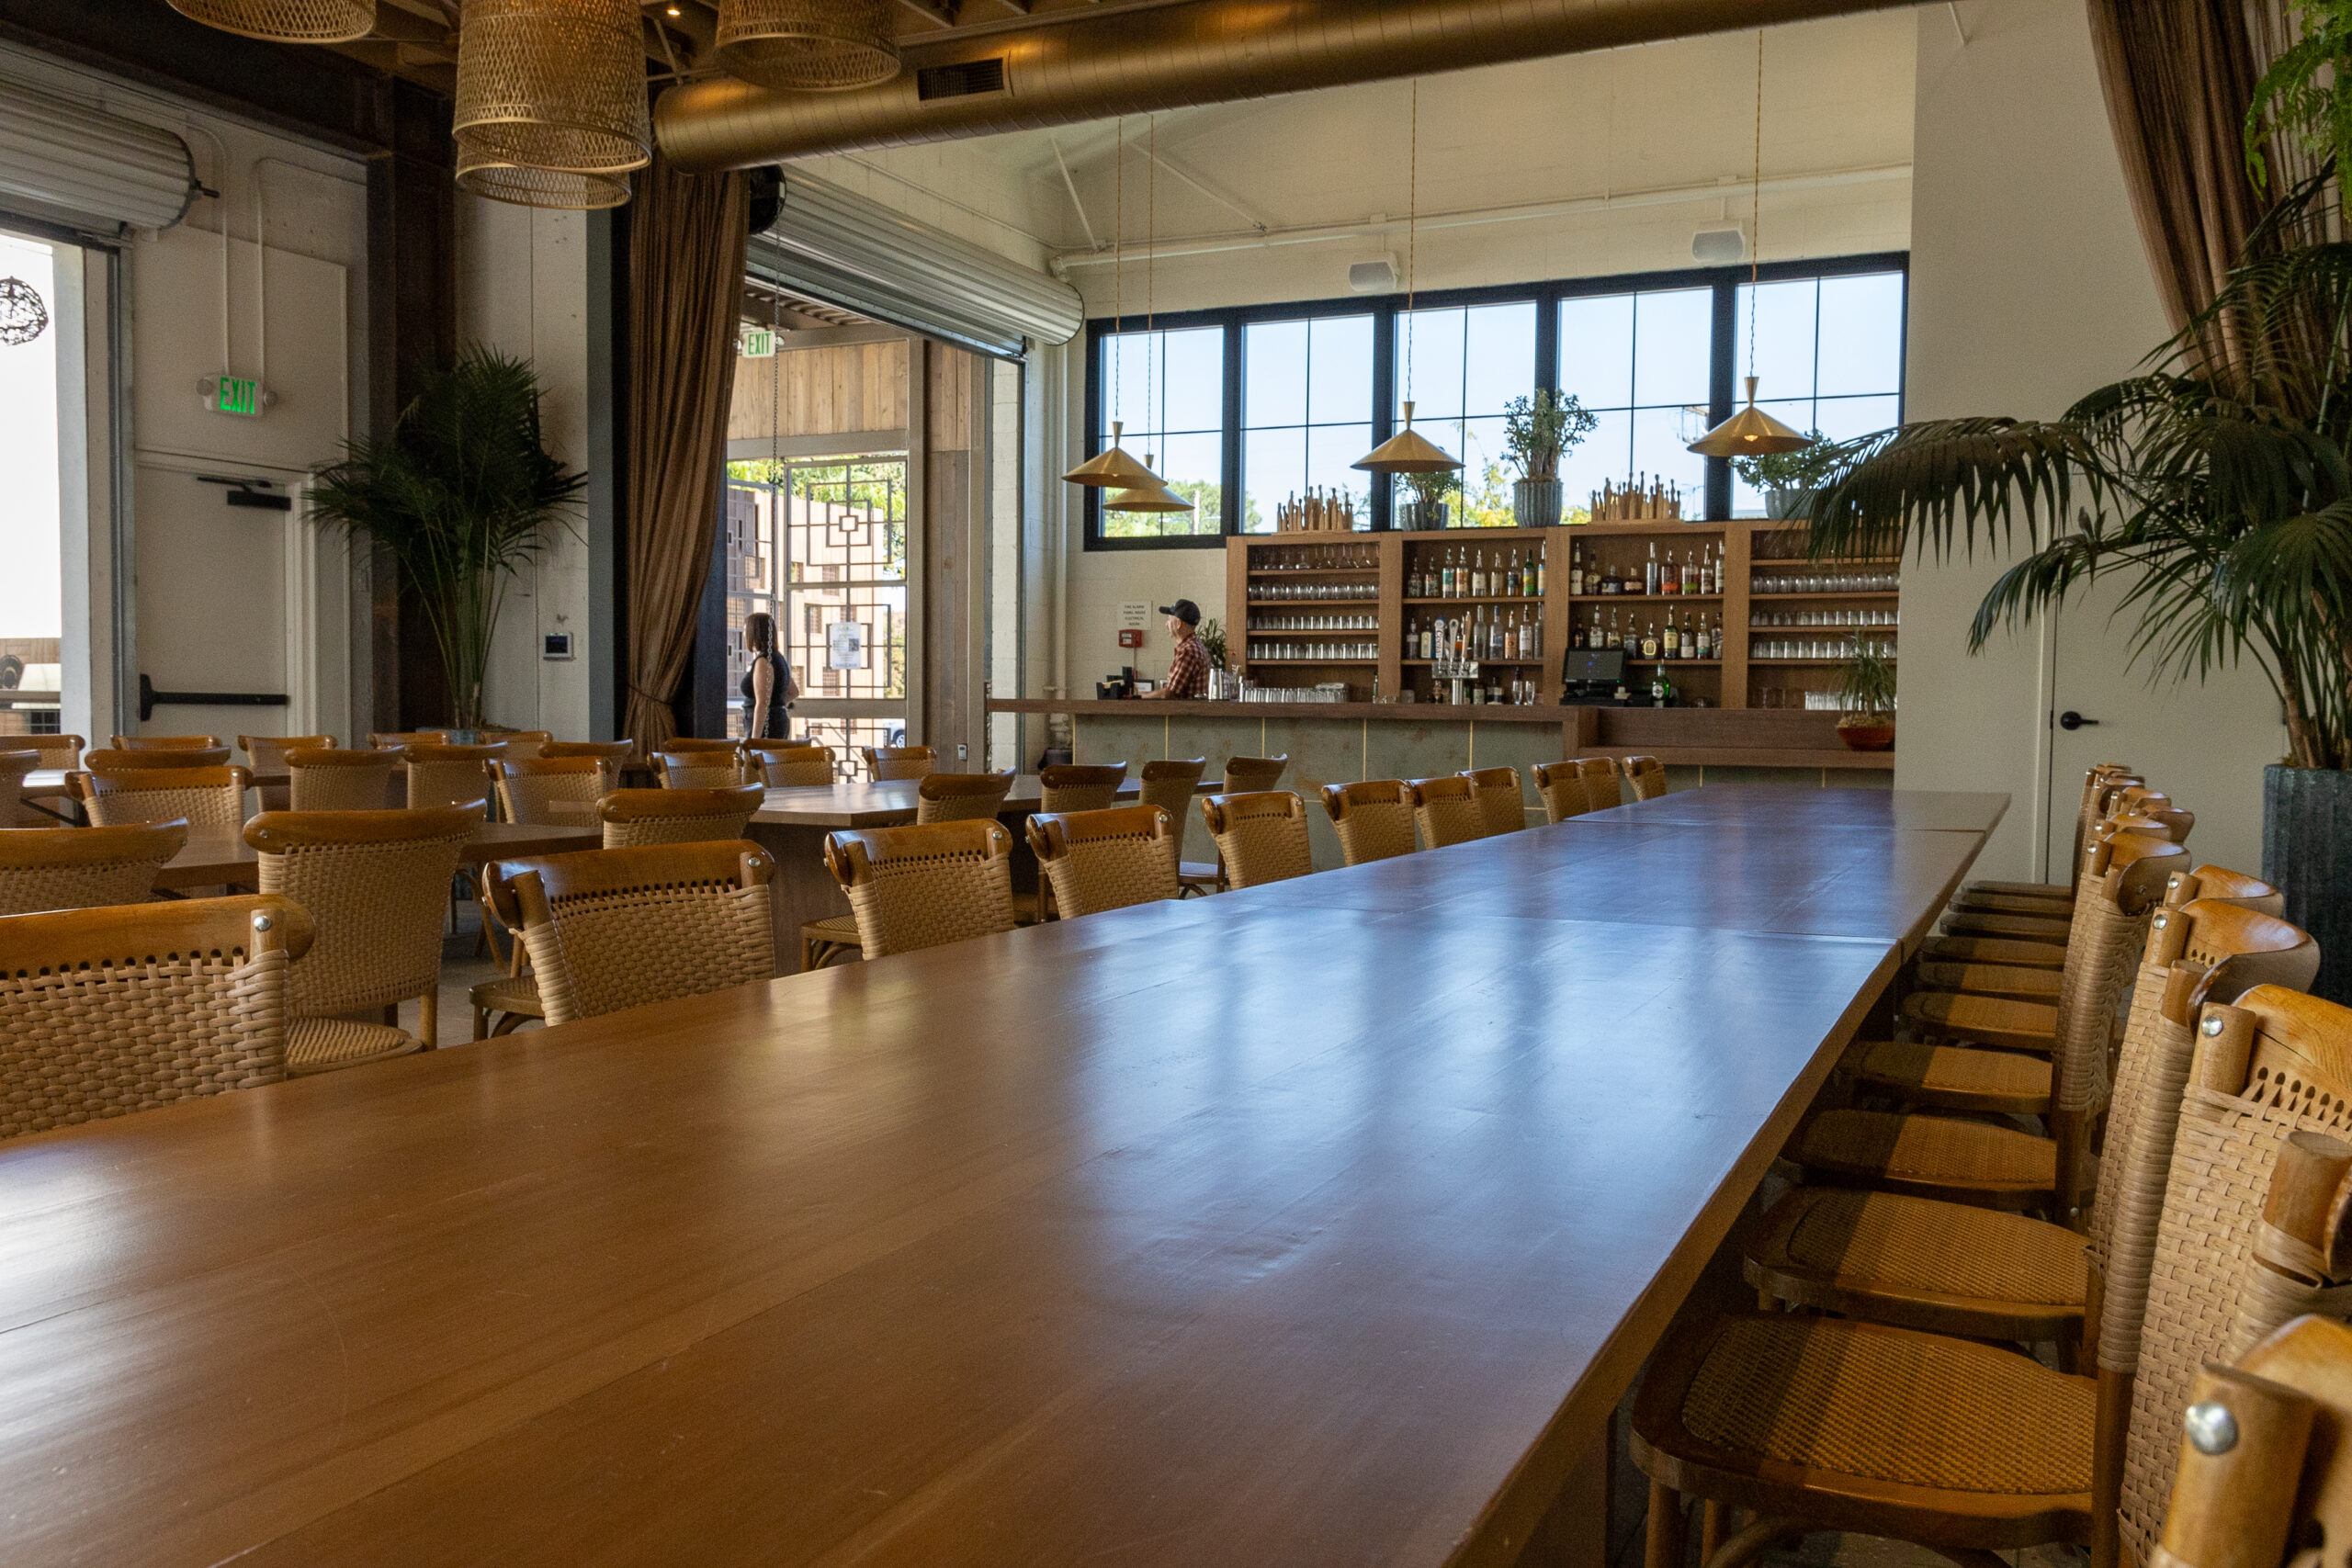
(551, 85)
(1114, 467)
(1408, 451)
(285, 21)
(807, 46)
(1752, 433)
(481, 175)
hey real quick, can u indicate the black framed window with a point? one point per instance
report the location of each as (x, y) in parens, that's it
(1241, 409)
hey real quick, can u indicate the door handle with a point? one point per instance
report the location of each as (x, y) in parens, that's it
(2070, 719)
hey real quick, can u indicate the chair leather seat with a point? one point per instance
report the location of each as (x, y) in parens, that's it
(1996, 1021)
(1989, 980)
(327, 1044)
(1934, 1156)
(1954, 1078)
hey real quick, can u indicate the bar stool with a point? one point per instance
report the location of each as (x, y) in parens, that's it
(924, 886)
(1502, 805)
(1170, 784)
(883, 762)
(104, 1013)
(1260, 837)
(638, 817)
(266, 754)
(449, 775)
(85, 868)
(1374, 819)
(1106, 859)
(613, 928)
(203, 798)
(700, 770)
(787, 764)
(1079, 786)
(324, 779)
(1447, 810)
(1646, 775)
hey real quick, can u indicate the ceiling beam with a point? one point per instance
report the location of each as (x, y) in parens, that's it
(938, 13)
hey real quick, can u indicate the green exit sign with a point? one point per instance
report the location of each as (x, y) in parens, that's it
(235, 394)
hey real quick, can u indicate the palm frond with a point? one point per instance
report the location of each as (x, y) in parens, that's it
(1925, 484)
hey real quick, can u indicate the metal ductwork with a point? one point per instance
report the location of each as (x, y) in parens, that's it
(1176, 56)
(65, 162)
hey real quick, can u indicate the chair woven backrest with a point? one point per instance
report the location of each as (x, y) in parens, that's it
(108, 1011)
(683, 743)
(83, 868)
(1170, 785)
(1446, 810)
(1502, 805)
(897, 761)
(700, 770)
(204, 797)
(1253, 775)
(266, 753)
(924, 886)
(63, 752)
(449, 775)
(1374, 818)
(167, 743)
(376, 885)
(1600, 791)
(2275, 1064)
(1646, 774)
(15, 766)
(523, 744)
(105, 761)
(390, 739)
(789, 764)
(613, 928)
(1260, 837)
(342, 780)
(634, 818)
(961, 797)
(529, 790)
(1560, 786)
(2093, 806)
(1079, 786)
(1106, 859)
(613, 755)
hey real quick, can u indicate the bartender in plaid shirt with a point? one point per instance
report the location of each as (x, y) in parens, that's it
(1188, 667)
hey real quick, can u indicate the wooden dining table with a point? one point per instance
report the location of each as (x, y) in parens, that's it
(218, 858)
(1319, 1223)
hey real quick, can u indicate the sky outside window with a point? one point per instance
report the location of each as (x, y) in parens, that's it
(1828, 352)
(1168, 388)
(1306, 414)
(1641, 363)
(1459, 366)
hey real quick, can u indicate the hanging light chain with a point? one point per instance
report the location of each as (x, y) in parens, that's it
(1152, 387)
(1412, 227)
(1755, 207)
(1118, 261)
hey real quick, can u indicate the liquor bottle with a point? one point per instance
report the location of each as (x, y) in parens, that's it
(1669, 576)
(1527, 575)
(1609, 581)
(1715, 573)
(1413, 579)
(1497, 644)
(1511, 639)
(1669, 645)
(1660, 689)
(1461, 571)
(1479, 586)
(1689, 646)
(1649, 641)
(1450, 586)
(1649, 571)
(1530, 641)
(1576, 568)
(1538, 577)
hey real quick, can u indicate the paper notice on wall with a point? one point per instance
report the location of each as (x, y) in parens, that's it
(845, 644)
(1135, 615)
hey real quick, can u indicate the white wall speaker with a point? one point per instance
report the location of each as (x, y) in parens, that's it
(1373, 276)
(1719, 247)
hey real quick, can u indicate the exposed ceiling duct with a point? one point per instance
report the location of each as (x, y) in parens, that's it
(1202, 51)
(75, 166)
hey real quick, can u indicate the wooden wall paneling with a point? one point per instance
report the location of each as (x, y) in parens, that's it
(1558, 614)
(1392, 614)
(1739, 549)
(1237, 606)
(919, 524)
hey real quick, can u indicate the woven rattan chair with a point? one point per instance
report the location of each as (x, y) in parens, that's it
(700, 770)
(449, 775)
(1502, 804)
(108, 1011)
(548, 791)
(266, 754)
(1374, 818)
(1948, 1269)
(684, 743)
(2099, 783)
(787, 764)
(60, 751)
(1171, 784)
(961, 797)
(1945, 1157)
(15, 767)
(897, 761)
(925, 885)
(83, 868)
(344, 781)
(1106, 859)
(523, 744)
(395, 739)
(1260, 837)
(1827, 1423)
(168, 743)
(613, 928)
(633, 818)
(1253, 775)
(203, 798)
(1079, 786)
(1560, 786)
(1447, 810)
(612, 755)
(1599, 782)
(1645, 775)
(375, 883)
(107, 760)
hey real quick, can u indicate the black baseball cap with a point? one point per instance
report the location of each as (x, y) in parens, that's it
(1184, 609)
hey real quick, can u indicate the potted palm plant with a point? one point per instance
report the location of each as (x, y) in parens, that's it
(1866, 685)
(1788, 479)
(460, 494)
(1537, 433)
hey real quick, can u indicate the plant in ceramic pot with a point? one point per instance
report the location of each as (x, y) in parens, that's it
(1866, 685)
(1429, 492)
(1788, 479)
(1538, 432)
(461, 494)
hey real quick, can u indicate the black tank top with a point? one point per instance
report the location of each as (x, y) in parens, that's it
(778, 722)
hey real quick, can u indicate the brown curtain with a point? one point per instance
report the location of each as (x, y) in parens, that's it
(2178, 75)
(687, 240)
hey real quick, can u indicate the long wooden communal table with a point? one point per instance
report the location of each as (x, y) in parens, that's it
(1278, 1227)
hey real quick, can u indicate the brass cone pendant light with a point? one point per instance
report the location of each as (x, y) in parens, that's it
(1408, 451)
(1752, 433)
(1114, 467)
(1153, 497)
(285, 21)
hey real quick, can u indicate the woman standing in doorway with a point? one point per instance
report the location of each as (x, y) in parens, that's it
(768, 686)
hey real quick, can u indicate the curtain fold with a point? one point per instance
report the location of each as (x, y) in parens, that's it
(687, 242)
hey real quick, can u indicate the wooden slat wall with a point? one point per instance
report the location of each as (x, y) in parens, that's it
(825, 391)
(954, 539)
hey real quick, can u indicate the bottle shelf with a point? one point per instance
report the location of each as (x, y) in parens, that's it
(1675, 663)
(1331, 635)
(1295, 573)
(1839, 594)
(1800, 662)
(1373, 600)
(1644, 598)
(1294, 663)
(1483, 599)
(1532, 664)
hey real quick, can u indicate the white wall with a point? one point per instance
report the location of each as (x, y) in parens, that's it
(2029, 287)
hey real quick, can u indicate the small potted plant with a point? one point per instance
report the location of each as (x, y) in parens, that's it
(1867, 684)
(1789, 479)
(1428, 509)
(1537, 433)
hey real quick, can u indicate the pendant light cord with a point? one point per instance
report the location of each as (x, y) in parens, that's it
(1150, 257)
(1755, 207)
(1412, 226)
(1118, 261)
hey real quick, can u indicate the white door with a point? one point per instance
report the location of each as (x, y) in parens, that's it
(212, 599)
(2204, 744)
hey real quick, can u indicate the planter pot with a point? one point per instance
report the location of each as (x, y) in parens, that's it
(1867, 737)
(1784, 505)
(2307, 852)
(1412, 515)
(1535, 504)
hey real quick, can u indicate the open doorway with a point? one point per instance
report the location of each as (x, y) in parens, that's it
(32, 598)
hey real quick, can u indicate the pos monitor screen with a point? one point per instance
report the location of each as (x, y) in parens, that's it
(1593, 666)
